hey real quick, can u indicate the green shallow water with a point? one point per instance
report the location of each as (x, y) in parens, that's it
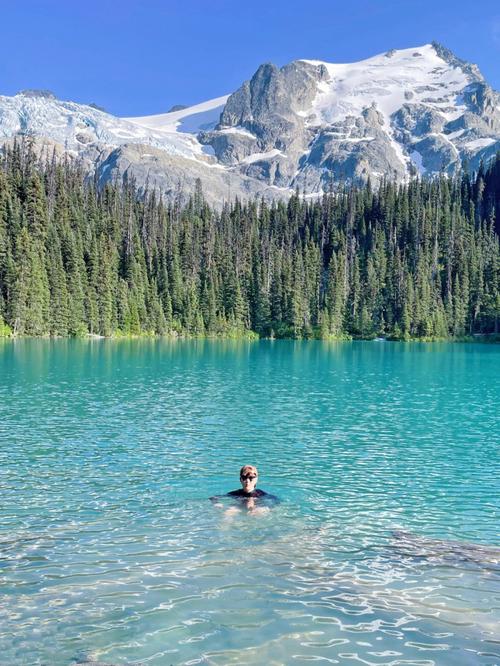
(385, 457)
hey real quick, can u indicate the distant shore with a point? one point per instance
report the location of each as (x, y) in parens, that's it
(251, 336)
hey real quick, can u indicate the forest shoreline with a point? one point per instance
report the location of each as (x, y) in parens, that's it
(419, 261)
(252, 336)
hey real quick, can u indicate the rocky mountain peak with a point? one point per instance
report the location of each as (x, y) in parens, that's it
(33, 92)
(449, 57)
(177, 107)
(405, 112)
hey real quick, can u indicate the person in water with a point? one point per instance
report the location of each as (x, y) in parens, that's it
(248, 495)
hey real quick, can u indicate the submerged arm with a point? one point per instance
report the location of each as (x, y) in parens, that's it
(216, 500)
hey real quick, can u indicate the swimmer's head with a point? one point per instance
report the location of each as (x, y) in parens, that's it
(248, 478)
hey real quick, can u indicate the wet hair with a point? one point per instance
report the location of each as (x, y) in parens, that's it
(248, 469)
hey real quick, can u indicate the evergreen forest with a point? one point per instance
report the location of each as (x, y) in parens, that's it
(420, 260)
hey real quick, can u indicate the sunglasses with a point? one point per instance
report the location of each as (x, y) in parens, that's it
(248, 476)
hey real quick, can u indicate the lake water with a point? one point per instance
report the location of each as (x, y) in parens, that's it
(385, 456)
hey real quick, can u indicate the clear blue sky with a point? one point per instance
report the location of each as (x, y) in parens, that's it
(141, 57)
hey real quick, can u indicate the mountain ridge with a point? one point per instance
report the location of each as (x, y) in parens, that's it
(397, 115)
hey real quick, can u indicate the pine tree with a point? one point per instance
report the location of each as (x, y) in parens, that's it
(416, 260)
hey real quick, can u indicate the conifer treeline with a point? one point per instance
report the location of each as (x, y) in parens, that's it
(419, 260)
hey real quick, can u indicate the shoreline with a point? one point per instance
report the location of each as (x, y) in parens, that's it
(254, 337)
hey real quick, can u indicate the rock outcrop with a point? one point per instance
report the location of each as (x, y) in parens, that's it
(305, 125)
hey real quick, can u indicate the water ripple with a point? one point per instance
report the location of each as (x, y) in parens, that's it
(384, 550)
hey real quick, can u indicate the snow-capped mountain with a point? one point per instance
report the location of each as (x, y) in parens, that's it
(396, 115)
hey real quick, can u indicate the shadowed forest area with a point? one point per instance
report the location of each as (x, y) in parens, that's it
(420, 260)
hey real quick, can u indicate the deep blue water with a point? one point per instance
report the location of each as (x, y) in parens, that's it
(384, 550)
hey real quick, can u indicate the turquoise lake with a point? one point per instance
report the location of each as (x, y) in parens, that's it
(384, 549)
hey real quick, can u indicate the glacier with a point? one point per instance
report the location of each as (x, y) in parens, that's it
(309, 125)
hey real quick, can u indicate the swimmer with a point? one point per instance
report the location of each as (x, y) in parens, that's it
(248, 495)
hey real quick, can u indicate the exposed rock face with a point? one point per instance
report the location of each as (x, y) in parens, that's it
(262, 126)
(400, 114)
(177, 107)
(269, 105)
(33, 92)
(96, 106)
(483, 101)
(175, 176)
